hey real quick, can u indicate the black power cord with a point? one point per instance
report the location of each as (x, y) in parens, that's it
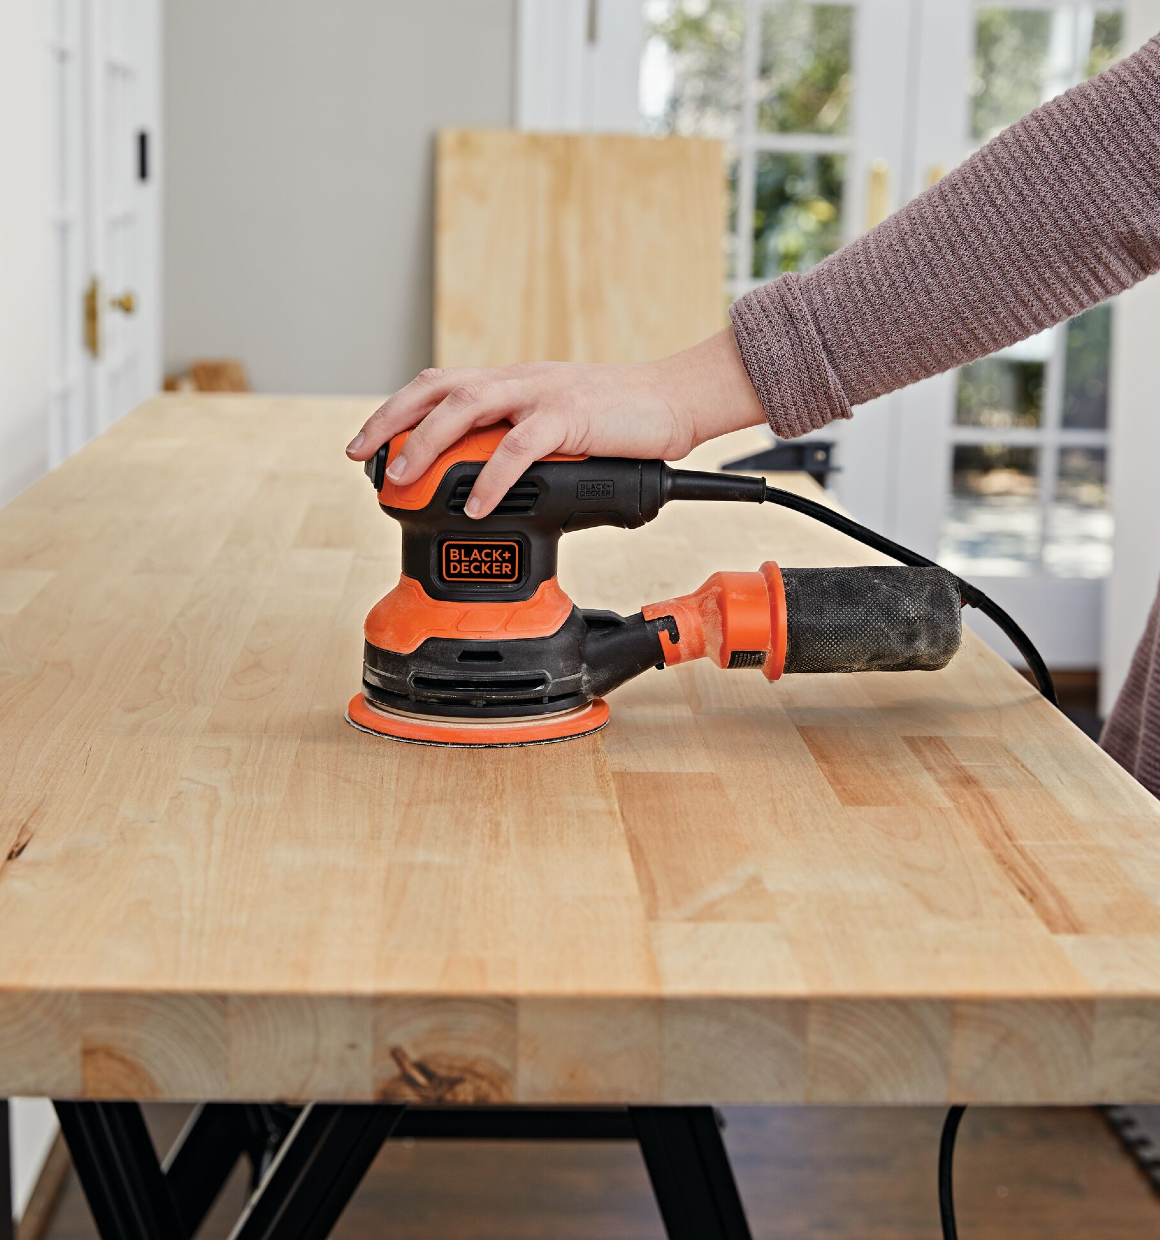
(692, 484)
(946, 1170)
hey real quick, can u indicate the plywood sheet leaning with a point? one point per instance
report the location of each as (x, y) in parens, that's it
(575, 247)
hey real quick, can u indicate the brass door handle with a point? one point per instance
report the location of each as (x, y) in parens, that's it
(877, 193)
(126, 303)
(93, 318)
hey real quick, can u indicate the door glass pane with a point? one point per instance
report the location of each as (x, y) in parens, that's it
(994, 520)
(1087, 360)
(1023, 57)
(692, 75)
(797, 211)
(1005, 390)
(804, 80)
(1103, 47)
(1079, 526)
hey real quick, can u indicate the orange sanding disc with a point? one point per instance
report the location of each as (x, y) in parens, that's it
(480, 733)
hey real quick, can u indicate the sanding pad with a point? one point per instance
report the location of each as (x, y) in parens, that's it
(477, 733)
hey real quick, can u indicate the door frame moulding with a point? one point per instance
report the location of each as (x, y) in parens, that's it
(573, 65)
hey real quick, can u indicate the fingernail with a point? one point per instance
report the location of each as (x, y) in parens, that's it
(356, 442)
(472, 507)
(396, 467)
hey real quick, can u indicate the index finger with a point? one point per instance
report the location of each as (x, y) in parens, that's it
(407, 406)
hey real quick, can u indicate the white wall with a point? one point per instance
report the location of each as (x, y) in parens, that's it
(299, 177)
(1135, 452)
(23, 244)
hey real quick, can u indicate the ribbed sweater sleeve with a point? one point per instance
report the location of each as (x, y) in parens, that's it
(1132, 734)
(1057, 213)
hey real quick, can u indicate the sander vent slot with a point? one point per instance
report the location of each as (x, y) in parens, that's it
(519, 501)
(746, 658)
(479, 656)
(472, 687)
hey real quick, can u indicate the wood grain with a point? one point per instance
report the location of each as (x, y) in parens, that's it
(870, 888)
(575, 247)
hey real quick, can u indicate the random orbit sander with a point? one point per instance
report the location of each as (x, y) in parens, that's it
(479, 646)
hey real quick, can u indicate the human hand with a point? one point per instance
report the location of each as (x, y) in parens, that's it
(653, 409)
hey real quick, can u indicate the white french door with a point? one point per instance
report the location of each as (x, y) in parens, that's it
(104, 331)
(836, 112)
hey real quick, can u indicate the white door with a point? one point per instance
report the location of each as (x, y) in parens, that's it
(104, 110)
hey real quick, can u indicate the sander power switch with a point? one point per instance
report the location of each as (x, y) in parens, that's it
(376, 468)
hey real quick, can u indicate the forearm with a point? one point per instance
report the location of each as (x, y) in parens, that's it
(1057, 213)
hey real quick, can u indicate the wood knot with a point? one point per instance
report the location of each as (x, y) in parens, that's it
(439, 1083)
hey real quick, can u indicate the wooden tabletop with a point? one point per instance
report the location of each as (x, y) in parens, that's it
(883, 888)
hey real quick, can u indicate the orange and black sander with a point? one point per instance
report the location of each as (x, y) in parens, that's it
(478, 645)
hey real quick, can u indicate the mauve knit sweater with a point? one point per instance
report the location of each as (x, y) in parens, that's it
(1057, 213)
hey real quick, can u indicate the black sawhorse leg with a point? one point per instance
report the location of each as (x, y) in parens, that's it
(307, 1163)
(690, 1173)
(129, 1195)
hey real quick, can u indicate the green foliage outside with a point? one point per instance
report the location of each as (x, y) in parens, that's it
(1107, 34)
(805, 80)
(797, 211)
(1010, 67)
(1012, 64)
(804, 86)
(705, 41)
(1001, 392)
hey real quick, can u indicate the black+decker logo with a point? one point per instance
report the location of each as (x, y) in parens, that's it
(595, 488)
(470, 559)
